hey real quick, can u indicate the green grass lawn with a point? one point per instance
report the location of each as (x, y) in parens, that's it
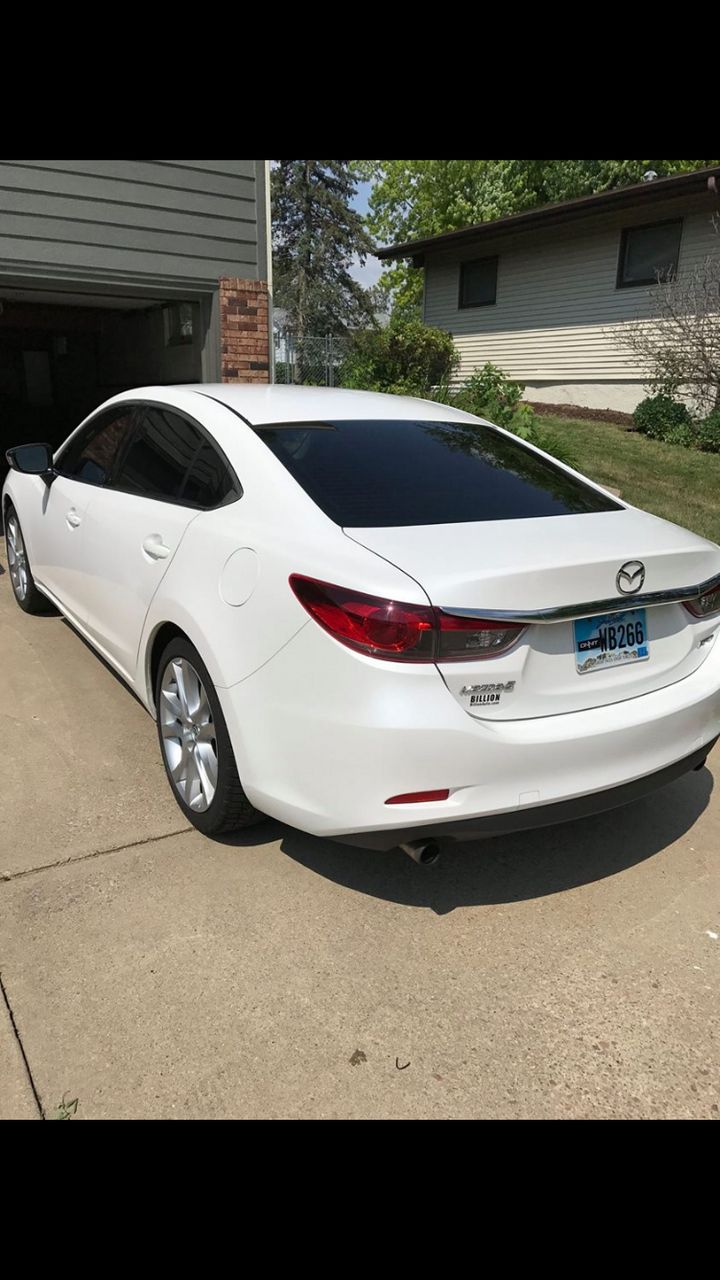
(678, 484)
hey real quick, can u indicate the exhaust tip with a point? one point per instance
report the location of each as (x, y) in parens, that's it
(425, 852)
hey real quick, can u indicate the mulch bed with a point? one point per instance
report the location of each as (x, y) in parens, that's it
(579, 412)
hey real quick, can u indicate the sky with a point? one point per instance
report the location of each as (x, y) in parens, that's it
(368, 274)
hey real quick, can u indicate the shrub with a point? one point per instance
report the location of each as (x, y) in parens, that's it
(407, 357)
(663, 418)
(683, 434)
(488, 393)
(657, 415)
(708, 433)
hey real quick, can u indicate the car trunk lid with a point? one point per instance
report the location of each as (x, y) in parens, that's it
(558, 563)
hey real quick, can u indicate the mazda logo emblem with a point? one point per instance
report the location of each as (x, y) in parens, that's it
(630, 577)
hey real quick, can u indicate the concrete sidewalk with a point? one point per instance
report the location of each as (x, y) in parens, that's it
(152, 973)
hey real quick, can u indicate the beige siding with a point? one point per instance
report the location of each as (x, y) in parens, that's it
(558, 308)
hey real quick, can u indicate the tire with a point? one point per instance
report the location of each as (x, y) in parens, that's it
(195, 744)
(23, 584)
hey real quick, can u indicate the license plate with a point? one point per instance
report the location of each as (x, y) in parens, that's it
(610, 641)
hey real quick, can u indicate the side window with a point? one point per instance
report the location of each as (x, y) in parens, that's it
(478, 283)
(168, 458)
(90, 456)
(209, 481)
(160, 455)
(649, 254)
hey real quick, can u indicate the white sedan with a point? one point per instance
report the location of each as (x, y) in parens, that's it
(375, 618)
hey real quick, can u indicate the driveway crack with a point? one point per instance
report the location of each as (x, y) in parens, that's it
(21, 1047)
(5, 878)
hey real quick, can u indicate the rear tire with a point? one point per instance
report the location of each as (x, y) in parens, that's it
(23, 584)
(195, 744)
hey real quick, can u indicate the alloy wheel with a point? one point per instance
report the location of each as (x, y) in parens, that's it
(17, 560)
(188, 734)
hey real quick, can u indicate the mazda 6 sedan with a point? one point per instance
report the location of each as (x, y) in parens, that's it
(375, 618)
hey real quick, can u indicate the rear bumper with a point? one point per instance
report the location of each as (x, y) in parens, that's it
(323, 736)
(500, 824)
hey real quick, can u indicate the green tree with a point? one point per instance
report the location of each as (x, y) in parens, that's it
(316, 237)
(411, 199)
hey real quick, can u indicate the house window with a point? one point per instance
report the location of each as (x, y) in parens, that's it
(648, 254)
(478, 282)
(178, 321)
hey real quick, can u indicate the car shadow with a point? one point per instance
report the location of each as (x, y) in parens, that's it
(503, 869)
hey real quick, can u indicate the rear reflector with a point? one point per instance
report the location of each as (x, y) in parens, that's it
(419, 797)
(706, 605)
(400, 632)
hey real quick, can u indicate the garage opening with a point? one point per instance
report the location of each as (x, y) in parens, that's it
(61, 355)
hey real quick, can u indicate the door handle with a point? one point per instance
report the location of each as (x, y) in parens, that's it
(72, 518)
(155, 547)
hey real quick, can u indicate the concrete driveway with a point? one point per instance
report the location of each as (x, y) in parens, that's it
(149, 972)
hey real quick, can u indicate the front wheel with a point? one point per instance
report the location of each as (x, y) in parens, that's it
(195, 744)
(23, 583)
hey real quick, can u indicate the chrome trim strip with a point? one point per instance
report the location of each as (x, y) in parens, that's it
(593, 608)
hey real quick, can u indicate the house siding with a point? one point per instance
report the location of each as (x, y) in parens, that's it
(558, 310)
(179, 222)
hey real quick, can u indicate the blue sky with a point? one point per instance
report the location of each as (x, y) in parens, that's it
(362, 197)
(370, 273)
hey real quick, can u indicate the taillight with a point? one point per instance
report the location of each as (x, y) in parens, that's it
(705, 605)
(380, 628)
(400, 632)
(474, 637)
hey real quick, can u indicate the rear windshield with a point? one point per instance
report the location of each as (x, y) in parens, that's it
(377, 474)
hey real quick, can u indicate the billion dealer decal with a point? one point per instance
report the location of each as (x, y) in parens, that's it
(486, 694)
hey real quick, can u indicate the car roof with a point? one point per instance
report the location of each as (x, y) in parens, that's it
(261, 405)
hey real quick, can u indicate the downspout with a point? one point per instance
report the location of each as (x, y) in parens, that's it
(268, 242)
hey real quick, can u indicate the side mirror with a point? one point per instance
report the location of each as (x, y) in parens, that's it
(33, 459)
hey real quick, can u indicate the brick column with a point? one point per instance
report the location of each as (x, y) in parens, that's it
(244, 333)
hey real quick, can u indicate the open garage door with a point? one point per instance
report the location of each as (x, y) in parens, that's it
(63, 353)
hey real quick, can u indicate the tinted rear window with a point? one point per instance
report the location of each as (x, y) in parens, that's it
(379, 474)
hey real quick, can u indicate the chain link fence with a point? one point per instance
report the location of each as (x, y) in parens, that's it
(313, 360)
